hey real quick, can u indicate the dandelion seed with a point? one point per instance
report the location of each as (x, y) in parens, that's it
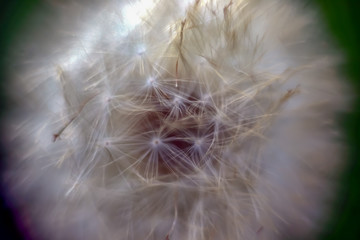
(156, 142)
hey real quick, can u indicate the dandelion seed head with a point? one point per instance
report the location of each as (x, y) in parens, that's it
(175, 119)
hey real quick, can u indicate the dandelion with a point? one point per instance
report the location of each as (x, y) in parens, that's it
(176, 120)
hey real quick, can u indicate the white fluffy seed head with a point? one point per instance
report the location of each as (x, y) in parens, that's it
(175, 120)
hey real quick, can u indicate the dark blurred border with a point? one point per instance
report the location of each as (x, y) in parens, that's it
(13, 14)
(343, 21)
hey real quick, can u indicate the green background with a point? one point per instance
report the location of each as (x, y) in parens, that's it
(342, 18)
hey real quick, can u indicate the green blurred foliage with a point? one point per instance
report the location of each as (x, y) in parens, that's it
(343, 21)
(342, 18)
